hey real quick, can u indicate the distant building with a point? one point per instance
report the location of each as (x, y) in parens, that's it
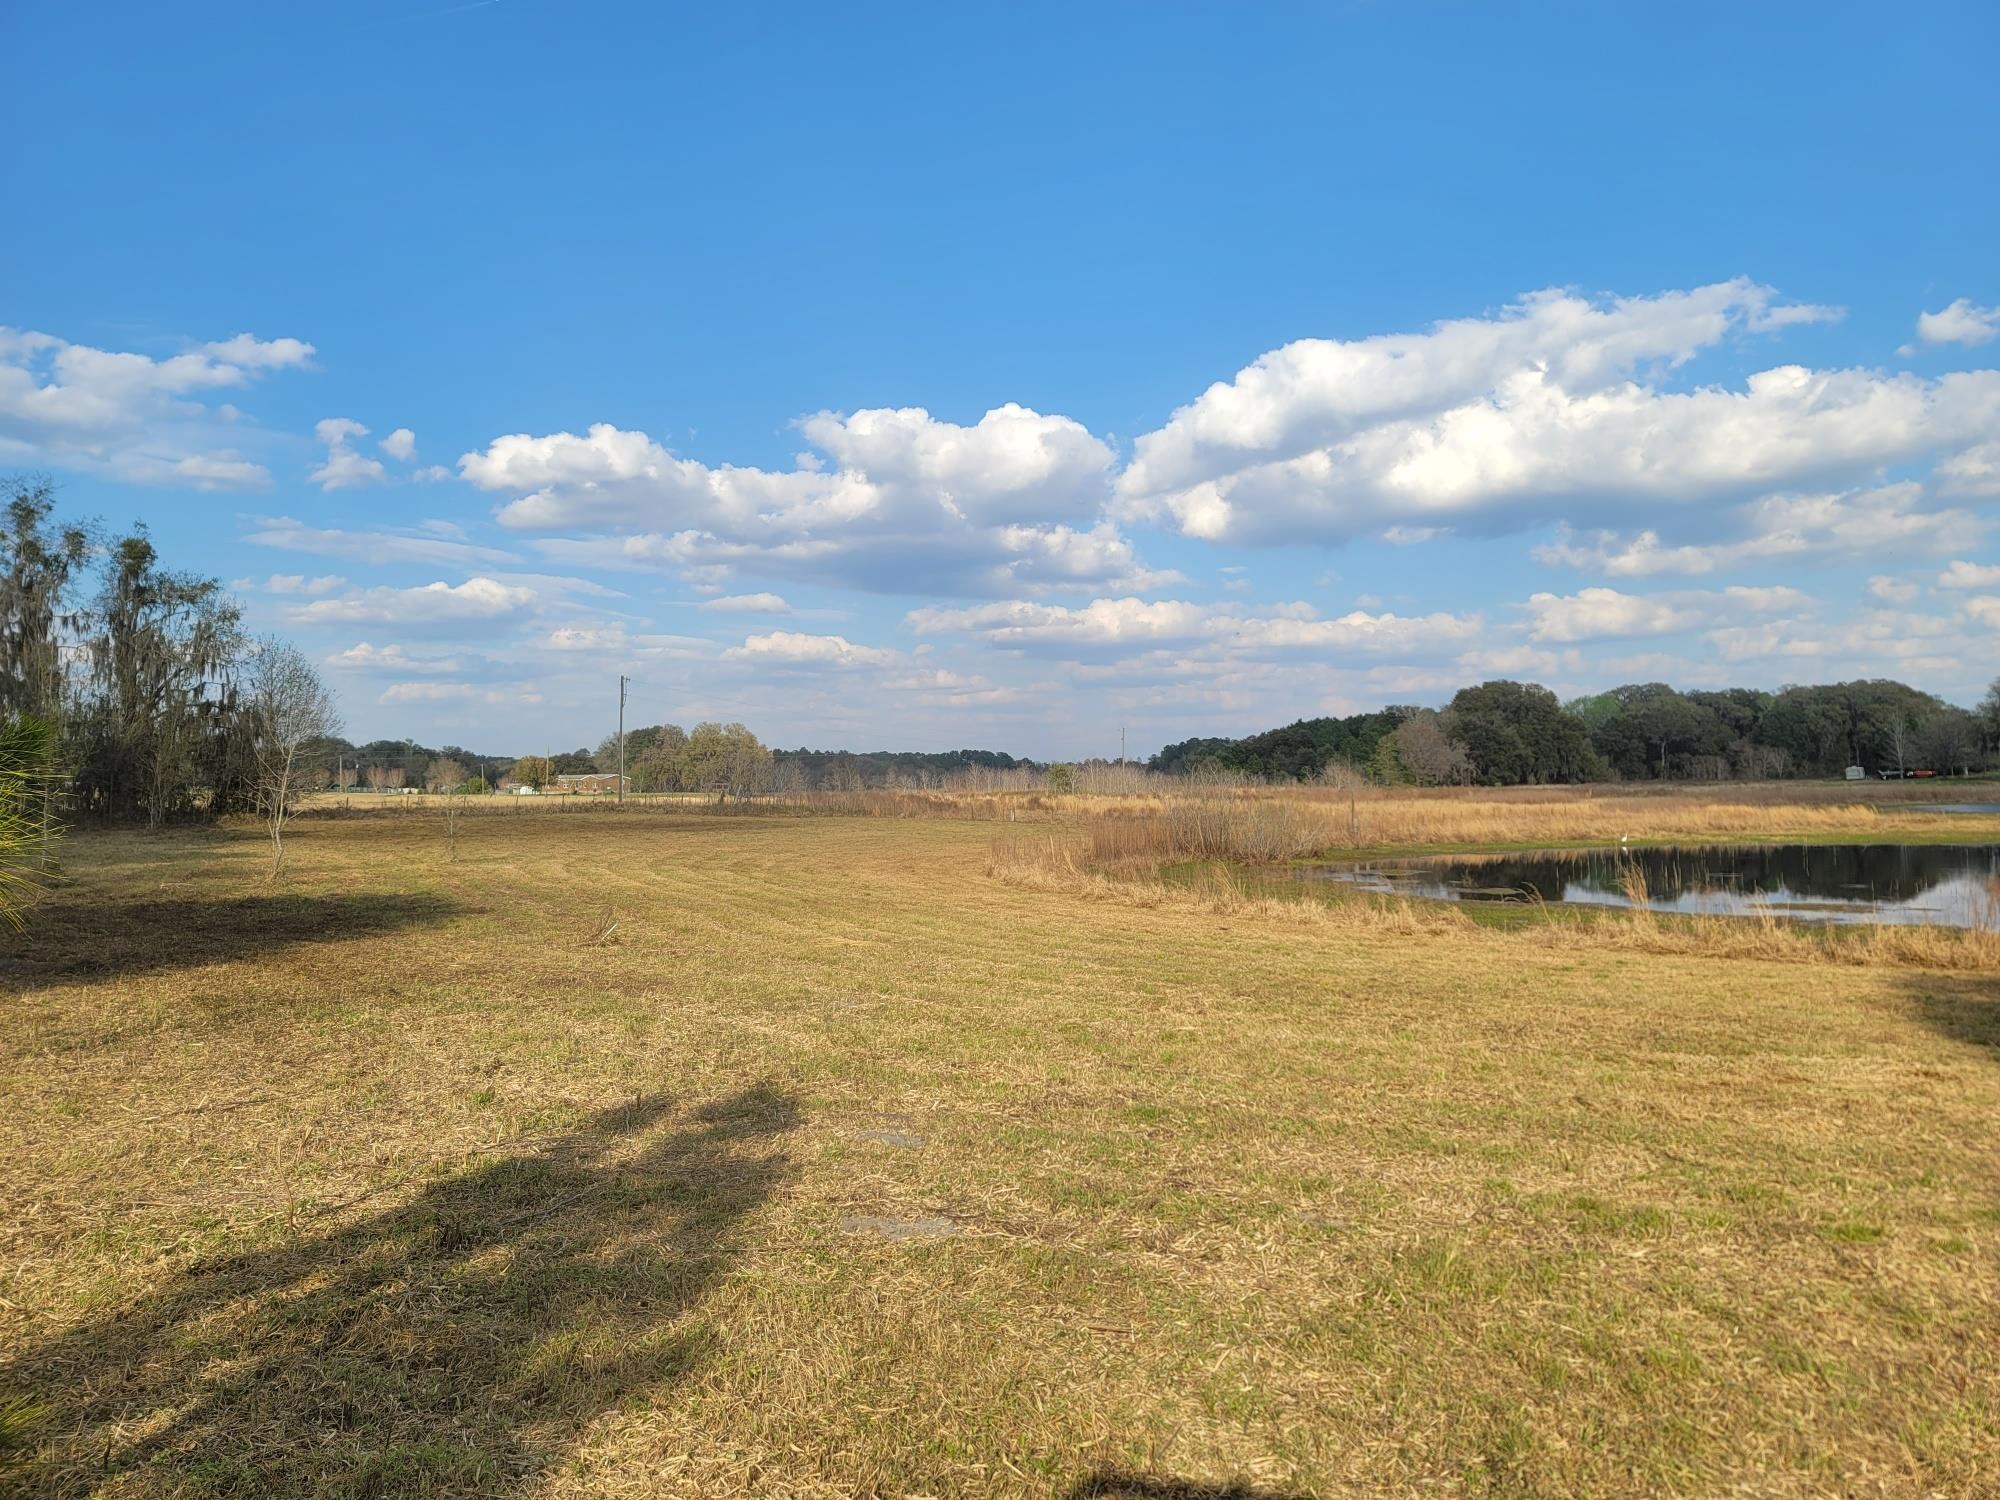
(1856, 773)
(594, 781)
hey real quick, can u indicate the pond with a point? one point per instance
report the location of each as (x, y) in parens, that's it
(1954, 885)
(1971, 809)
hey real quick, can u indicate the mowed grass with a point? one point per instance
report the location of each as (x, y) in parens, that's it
(763, 1155)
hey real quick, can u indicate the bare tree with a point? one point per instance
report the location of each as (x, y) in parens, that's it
(1428, 754)
(1900, 744)
(290, 709)
(445, 774)
(448, 775)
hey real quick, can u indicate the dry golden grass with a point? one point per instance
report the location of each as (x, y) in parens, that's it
(1172, 819)
(684, 1155)
(1093, 871)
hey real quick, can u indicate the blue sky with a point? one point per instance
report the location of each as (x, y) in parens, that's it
(926, 376)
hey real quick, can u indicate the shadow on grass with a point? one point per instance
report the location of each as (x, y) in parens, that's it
(86, 939)
(1966, 1009)
(1112, 1484)
(458, 1345)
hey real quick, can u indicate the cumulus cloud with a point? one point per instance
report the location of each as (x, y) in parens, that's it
(586, 638)
(289, 583)
(363, 657)
(1874, 640)
(941, 688)
(400, 445)
(1132, 624)
(1597, 614)
(1960, 323)
(1969, 575)
(1856, 524)
(345, 467)
(131, 417)
(751, 604)
(1554, 406)
(794, 648)
(1976, 471)
(903, 501)
(433, 603)
(1892, 590)
(1558, 407)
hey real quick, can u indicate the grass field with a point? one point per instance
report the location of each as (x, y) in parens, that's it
(671, 1154)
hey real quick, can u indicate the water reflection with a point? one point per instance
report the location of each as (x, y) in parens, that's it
(1955, 885)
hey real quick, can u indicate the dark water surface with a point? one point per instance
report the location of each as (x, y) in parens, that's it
(1954, 885)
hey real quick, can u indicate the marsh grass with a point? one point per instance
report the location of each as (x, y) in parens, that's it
(1373, 1201)
(1119, 852)
(1174, 818)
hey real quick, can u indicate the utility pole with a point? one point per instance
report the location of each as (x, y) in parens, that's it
(622, 680)
(1121, 744)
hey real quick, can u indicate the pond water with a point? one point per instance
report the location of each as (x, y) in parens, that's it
(1972, 809)
(1955, 885)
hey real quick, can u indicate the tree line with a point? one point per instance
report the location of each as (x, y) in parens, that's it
(666, 758)
(147, 697)
(1506, 733)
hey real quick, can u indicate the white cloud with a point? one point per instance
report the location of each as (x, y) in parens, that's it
(1013, 502)
(131, 417)
(1596, 614)
(1968, 575)
(1131, 624)
(379, 547)
(752, 604)
(1602, 614)
(290, 584)
(1960, 323)
(587, 638)
(1875, 640)
(223, 469)
(475, 599)
(1985, 609)
(247, 352)
(1519, 661)
(452, 692)
(938, 681)
(345, 467)
(400, 444)
(1555, 406)
(1765, 600)
(1976, 471)
(795, 648)
(1858, 524)
(1892, 590)
(363, 657)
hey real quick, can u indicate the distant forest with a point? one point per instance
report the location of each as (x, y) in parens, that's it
(1512, 733)
(1493, 734)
